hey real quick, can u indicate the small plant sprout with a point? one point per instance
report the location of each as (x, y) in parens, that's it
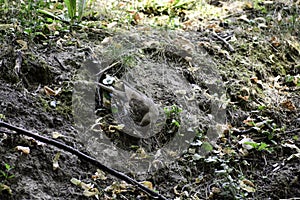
(6, 174)
(173, 114)
(174, 110)
(176, 123)
(260, 146)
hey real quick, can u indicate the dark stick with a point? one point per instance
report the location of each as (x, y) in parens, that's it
(85, 157)
(59, 63)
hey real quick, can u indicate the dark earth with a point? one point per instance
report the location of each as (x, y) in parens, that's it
(253, 52)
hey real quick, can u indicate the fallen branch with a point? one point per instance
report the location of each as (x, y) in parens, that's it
(84, 157)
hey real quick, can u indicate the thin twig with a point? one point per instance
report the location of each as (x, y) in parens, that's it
(224, 41)
(81, 155)
(107, 68)
(59, 63)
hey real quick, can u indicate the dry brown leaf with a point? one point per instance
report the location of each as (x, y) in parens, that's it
(275, 41)
(138, 17)
(24, 150)
(288, 104)
(51, 92)
(247, 185)
(119, 187)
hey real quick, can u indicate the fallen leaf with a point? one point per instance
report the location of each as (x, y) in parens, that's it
(148, 184)
(55, 164)
(248, 5)
(51, 92)
(34, 141)
(275, 41)
(118, 187)
(247, 185)
(23, 44)
(288, 104)
(99, 175)
(56, 135)
(113, 128)
(89, 189)
(5, 188)
(92, 192)
(24, 150)
(75, 181)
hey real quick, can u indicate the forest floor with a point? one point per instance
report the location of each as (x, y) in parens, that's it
(224, 77)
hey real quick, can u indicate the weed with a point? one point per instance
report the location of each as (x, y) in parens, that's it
(207, 146)
(172, 113)
(258, 5)
(260, 146)
(75, 11)
(6, 174)
(175, 122)
(173, 110)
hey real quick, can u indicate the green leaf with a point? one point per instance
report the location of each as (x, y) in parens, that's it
(176, 123)
(262, 107)
(289, 78)
(81, 7)
(11, 176)
(7, 166)
(71, 6)
(207, 146)
(3, 174)
(262, 146)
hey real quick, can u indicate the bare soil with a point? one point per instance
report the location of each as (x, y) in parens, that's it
(260, 80)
